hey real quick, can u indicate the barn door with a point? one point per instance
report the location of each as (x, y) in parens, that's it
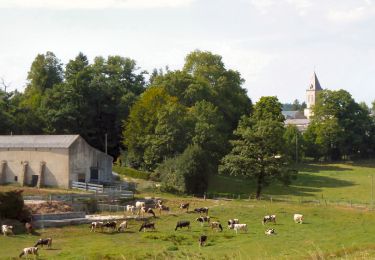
(34, 180)
(94, 174)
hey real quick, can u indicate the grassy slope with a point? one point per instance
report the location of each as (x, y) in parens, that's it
(326, 232)
(36, 191)
(344, 181)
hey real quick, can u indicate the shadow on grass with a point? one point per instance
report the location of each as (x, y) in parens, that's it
(315, 168)
(306, 184)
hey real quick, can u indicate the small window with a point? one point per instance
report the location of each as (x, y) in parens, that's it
(15, 178)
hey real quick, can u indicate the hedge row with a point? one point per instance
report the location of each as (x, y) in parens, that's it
(130, 172)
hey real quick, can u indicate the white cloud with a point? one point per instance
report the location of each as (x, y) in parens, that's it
(354, 14)
(93, 4)
(262, 5)
(301, 6)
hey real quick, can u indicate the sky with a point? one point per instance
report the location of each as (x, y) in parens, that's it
(276, 45)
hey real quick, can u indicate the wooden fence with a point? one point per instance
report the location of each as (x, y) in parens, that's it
(87, 186)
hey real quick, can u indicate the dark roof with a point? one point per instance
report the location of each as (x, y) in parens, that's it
(314, 84)
(37, 141)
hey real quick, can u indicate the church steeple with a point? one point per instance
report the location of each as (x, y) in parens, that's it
(311, 94)
(314, 85)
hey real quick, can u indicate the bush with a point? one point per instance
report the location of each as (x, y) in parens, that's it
(130, 172)
(12, 206)
(186, 173)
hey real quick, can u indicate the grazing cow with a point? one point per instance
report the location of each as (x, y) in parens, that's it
(184, 206)
(269, 218)
(29, 251)
(216, 225)
(298, 218)
(140, 204)
(158, 203)
(233, 221)
(270, 231)
(147, 210)
(201, 210)
(203, 219)
(96, 224)
(29, 228)
(161, 208)
(110, 225)
(237, 227)
(182, 223)
(7, 230)
(122, 226)
(202, 240)
(44, 242)
(131, 208)
(145, 226)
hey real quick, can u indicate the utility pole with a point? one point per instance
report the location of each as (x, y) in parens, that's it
(106, 143)
(297, 147)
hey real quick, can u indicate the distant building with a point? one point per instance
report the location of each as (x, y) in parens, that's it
(299, 119)
(311, 95)
(51, 160)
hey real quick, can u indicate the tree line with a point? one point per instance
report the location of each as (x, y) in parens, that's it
(182, 125)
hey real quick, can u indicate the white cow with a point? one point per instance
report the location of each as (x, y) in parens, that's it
(298, 218)
(130, 208)
(29, 251)
(237, 227)
(123, 226)
(7, 230)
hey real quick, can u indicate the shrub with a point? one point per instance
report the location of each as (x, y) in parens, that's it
(12, 206)
(130, 172)
(186, 173)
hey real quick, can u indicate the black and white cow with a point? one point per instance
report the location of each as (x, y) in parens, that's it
(185, 206)
(270, 231)
(216, 225)
(202, 240)
(145, 226)
(44, 242)
(269, 218)
(147, 210)
(201, 210)
(233, 221)
(110, 225)
(182, 223)
(202, 220)
(161, 208)
(95, 225)
(29, 251)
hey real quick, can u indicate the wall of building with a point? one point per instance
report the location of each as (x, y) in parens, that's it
(83, 158)
(55, 171)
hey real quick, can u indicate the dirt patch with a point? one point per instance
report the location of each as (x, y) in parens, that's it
(49, 207)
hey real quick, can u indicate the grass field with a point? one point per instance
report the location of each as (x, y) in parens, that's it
(341, 181)
(327, 232)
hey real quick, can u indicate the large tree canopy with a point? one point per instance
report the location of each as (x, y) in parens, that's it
(259, 151)
(340, 127)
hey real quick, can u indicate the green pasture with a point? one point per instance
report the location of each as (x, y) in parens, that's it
(328, 232)
(337, 181)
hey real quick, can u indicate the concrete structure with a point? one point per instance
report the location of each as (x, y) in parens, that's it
(51, 160)
(311, 95)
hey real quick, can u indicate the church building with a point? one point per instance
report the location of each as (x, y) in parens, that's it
(299, 119)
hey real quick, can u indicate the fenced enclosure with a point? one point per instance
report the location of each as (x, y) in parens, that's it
(87, 186)
(368, 205)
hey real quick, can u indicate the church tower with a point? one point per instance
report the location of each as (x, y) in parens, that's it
(311, 95)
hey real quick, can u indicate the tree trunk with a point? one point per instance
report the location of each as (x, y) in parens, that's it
(259, 186)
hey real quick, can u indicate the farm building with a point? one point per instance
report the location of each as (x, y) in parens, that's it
(51, 160)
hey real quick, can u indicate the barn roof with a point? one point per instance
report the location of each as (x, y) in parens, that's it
(37, 141)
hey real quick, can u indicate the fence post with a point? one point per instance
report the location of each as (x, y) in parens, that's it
(271, 200)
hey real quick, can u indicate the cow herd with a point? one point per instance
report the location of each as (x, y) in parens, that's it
(140, 209)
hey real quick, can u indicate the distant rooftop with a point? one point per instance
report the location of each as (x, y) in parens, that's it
(37, 141)
(314, 84)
